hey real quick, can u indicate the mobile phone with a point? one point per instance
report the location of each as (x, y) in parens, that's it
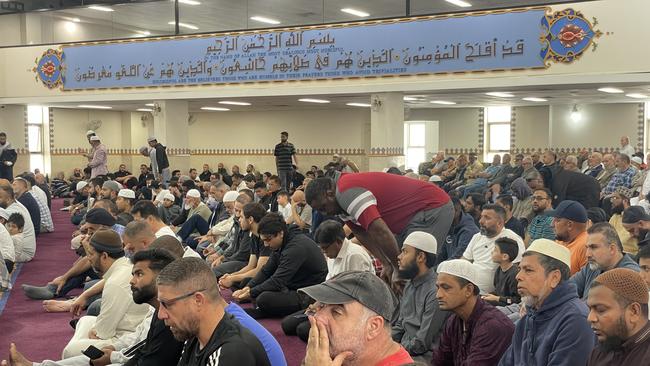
(93, 352)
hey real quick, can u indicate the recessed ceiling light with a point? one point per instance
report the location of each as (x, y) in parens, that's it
(184, 25)
(636, 96)
(359, 13)
(233, 102)
(145, 33)
(500, 94)
(76, 20)
(534, 99)
(358, 104)
(310, 100)
(443, 102)
(218, 109)
(89, 106)
(189, 2)
(610, 90)
(265, 20)
(100, 8)
(150, 105)
(144, 110)
(461, 3)
(70, 26)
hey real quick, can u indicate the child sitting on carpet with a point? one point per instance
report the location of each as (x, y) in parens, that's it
(15, 225)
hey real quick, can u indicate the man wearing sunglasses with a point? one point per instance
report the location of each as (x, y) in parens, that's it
(190, 304)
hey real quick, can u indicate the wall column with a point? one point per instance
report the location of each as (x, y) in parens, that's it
(386, 131)
(170, 128)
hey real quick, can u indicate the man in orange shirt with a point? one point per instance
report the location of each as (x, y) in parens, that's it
(570, 224)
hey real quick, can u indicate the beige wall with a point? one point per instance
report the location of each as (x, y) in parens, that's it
(458, 127)
(602, 125)
(531, 127)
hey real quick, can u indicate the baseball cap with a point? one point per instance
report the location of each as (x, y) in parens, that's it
(94, 138)
(126, 193)
(363, 287)
(81, 185)
(570, 210)
(193, 193)
(551, 249)
(423, 241)
(634, 214)
(100, 216)
(459, 268)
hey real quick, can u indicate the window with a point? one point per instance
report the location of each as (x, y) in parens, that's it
(36, 116)
(497, 120)
(414, 141)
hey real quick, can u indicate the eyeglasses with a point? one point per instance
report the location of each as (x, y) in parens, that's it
(168, 303)
(539, 198)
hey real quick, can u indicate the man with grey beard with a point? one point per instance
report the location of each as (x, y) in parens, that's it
(604, 252)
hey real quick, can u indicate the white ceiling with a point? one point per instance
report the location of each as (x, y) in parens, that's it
(558, 95)
(222, 15)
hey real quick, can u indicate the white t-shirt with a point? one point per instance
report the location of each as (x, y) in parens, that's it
(165, 230)
(352, 257)
(285, 211)
(7, 249)
(190, 253)
(479, 251)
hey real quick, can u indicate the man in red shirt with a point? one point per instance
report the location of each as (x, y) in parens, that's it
(383, 209)
(350, 322)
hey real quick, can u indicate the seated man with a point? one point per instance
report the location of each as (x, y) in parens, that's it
(570, 225)
(296, 262)
(604, 253)
(169, 210)
(9, 203)
(152, 343)
(512, 223)
(460, 234)
(119, 314)
(236, 256)
(196, 210)
(124, 202)
(212, 241)
(342, 256)
(554, 330)
(351, 322)
(190, 304)
(476, 332)
(420, 320)
(301, 212)
(24, 196)
(7, 248)
(623, 329)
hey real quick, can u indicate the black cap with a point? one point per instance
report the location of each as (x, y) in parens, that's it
(363, 287)
(100, 216)
(570, 210)
(634, 214)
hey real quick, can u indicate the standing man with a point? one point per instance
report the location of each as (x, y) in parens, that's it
(158, 155)
(379, 214)
(97, 162)
(285, 158)
(8, 158)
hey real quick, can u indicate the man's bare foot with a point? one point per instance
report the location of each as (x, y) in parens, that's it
(57, 306)
(16, 358)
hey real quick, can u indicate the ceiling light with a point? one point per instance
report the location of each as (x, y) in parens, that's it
(89, 106)
(265, 20)
(500, 94)
(636, 96)
(218, 109)
(150, 105)
(443, 102)
(233, 102)
(576, 116)
(144, 110)
(76, 20)
(309, 100)
(145, 33)
(461, 3)
(100, 8)
(70, 26)
(359, 13)
(610, 90)
(184, 25)
(534, 99)
(358, 104)
(189, 2)
(412, 99)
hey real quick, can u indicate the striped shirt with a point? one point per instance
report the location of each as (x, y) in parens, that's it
(283, 154)
(541, 227)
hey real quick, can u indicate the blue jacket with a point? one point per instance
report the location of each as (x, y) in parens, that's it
(556, 334)
(586, 275)
(458, 238)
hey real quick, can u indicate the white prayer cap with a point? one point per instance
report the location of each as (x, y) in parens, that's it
(460, 268)
(169, 196)
(194, 193)
(230, 196)
(81, 185)
(423, 241)
(435, 178)
(551, 249)
(90, 132)
(151, 138)
(94, 138)
(126, 193)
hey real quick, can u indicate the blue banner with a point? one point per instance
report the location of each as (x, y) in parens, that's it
(471, 42)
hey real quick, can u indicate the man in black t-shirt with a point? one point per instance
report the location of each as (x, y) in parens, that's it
(190, 305)
(285, 159)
